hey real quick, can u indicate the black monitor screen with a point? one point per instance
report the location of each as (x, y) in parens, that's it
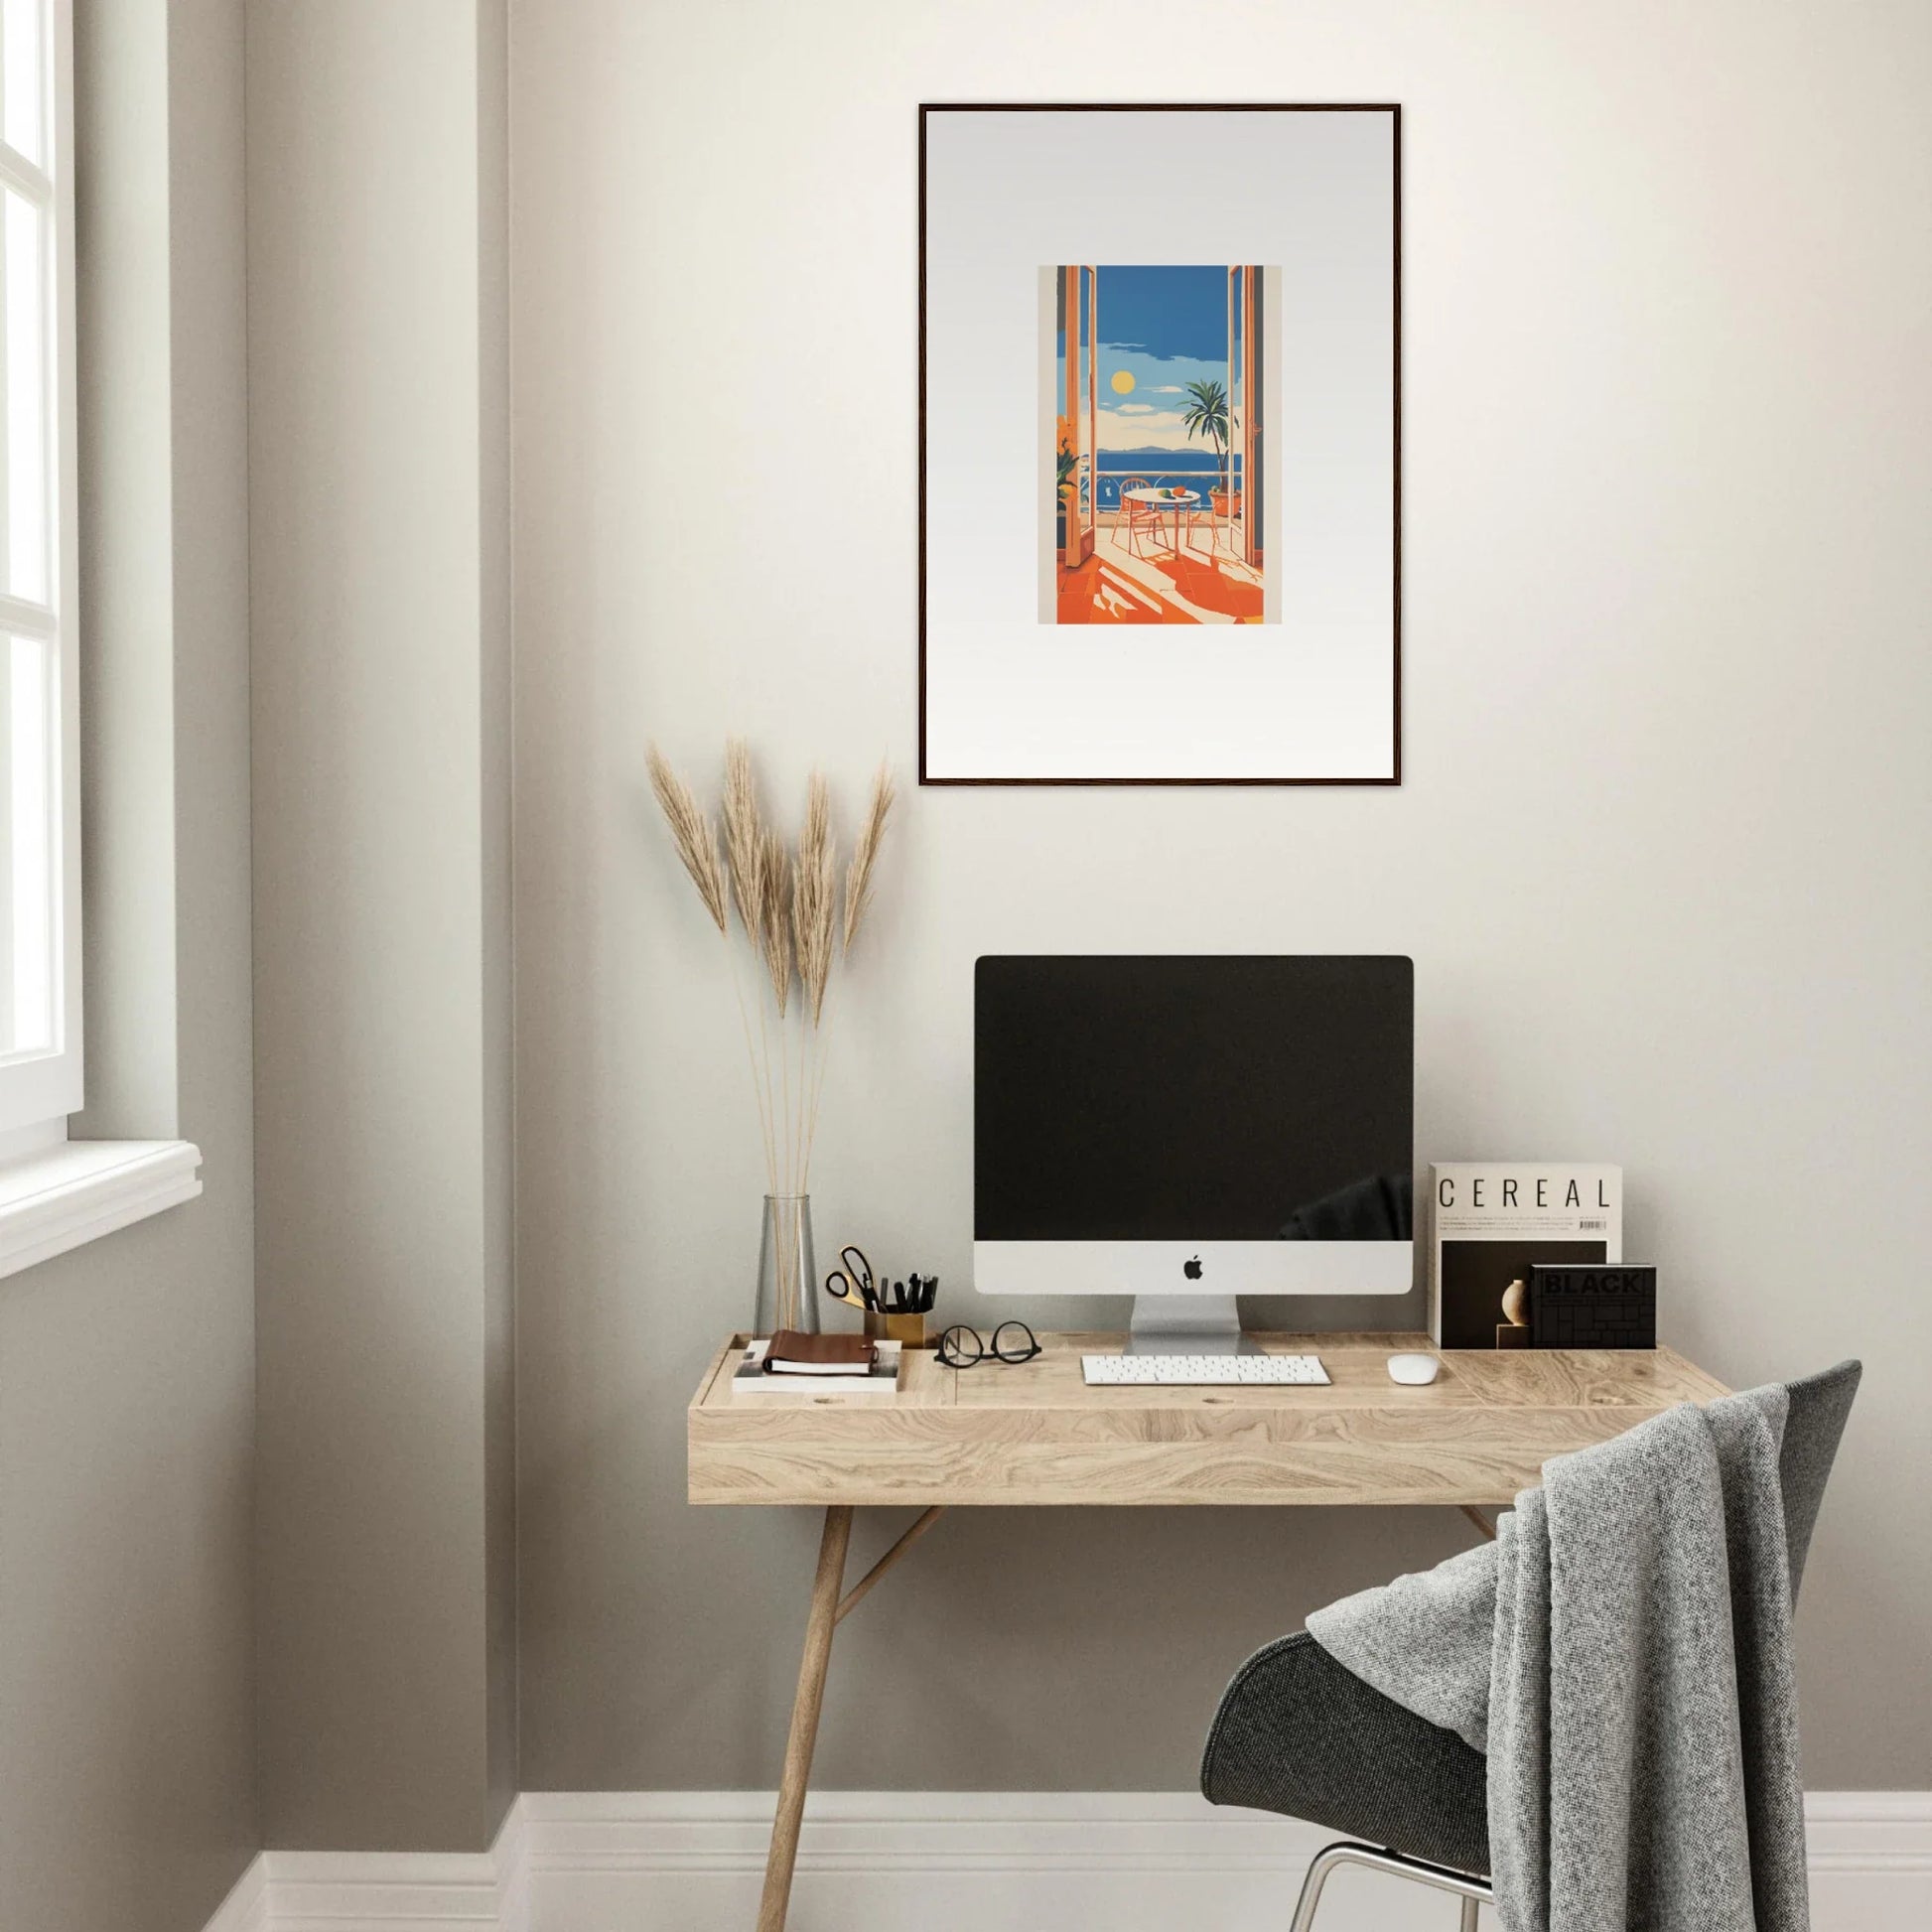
(1192, 1099)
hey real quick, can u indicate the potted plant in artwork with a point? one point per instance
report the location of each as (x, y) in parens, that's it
(1065, 485)
(1207, 415)
(799, 911)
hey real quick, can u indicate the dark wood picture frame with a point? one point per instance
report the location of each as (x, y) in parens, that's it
(1394, 110)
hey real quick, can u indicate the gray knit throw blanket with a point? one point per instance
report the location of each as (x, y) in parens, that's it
(1622, 1652)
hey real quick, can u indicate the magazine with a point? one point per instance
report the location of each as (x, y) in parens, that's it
(1490, 1220)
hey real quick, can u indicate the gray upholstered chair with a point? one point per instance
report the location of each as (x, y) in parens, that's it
(1298, 1734)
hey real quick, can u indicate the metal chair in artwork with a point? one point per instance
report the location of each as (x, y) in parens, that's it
(1223, 508)
(1137, 520)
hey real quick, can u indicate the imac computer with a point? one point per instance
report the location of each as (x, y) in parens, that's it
(1184, 1130)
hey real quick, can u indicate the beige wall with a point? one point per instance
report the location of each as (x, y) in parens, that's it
(377, 401)
(1660, 855)
(127, 1760)
(498, 1016)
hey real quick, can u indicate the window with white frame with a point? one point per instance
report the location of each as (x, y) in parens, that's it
(40, 830)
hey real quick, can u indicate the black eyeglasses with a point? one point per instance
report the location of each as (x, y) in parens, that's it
(1013, 1341)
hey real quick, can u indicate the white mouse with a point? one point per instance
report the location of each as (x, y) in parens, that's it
(1414, 1369)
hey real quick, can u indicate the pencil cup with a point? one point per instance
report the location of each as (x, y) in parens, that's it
(908, 1330)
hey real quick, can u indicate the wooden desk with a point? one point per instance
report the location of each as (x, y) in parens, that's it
(1034, 1433)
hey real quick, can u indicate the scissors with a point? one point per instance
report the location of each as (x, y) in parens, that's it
(851, 1280)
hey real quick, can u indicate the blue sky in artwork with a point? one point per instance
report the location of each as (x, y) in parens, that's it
(1167, 311)
(1160, 328)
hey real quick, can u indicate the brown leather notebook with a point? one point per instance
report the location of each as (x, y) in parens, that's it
(793, 1354)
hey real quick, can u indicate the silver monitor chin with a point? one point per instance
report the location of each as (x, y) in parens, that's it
(1201, 1268)
(1184, 1297)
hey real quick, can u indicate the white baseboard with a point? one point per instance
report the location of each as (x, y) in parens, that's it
(245, 1910)
(955, 1861)
(385, 1891)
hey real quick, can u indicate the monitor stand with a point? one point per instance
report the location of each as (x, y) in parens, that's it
(1186, 1325)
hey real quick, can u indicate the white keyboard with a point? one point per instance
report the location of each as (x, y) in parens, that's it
(1202, 1371)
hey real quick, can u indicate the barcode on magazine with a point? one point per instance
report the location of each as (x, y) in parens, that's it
(1598, 1226)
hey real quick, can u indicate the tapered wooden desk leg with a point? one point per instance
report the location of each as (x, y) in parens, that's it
(804, 1719)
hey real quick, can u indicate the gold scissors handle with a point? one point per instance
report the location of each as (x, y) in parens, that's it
(851, 1280)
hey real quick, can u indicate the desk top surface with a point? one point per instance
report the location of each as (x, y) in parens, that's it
(1034, 1433)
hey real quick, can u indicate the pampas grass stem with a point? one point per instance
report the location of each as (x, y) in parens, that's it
(865, 851)
(788, 909)
(691, 832)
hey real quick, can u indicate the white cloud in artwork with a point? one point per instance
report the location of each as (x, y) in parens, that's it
(1165, 389)
(1134, 409)
(1155, 429)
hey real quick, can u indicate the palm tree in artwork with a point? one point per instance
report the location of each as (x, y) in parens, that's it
(1206, 414)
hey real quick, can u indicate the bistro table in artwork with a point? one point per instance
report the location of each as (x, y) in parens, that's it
(1177, 503)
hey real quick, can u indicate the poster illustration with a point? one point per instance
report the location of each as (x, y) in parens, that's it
(1157, 428)
(1159, 369)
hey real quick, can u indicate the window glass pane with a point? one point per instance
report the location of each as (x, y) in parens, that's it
(23, 40)
(28, 481)
(25, 850)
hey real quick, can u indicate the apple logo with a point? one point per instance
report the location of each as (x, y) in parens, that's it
(1191, 1269)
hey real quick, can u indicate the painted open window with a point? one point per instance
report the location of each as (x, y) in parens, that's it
(1158, 446)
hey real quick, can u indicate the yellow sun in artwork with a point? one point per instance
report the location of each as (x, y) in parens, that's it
(1123, 383)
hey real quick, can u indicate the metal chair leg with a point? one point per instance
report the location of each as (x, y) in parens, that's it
(1325, 1862)
(1472, 1892)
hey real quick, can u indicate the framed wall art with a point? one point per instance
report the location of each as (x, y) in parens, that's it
(1158, 445)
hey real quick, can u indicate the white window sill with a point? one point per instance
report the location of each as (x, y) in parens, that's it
(79, 1190)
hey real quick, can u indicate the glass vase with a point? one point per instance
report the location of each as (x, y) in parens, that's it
(787, 1271)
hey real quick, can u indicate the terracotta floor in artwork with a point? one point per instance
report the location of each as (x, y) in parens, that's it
(1116, 586)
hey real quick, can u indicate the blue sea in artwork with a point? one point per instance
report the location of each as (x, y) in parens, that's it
(1160, 467)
